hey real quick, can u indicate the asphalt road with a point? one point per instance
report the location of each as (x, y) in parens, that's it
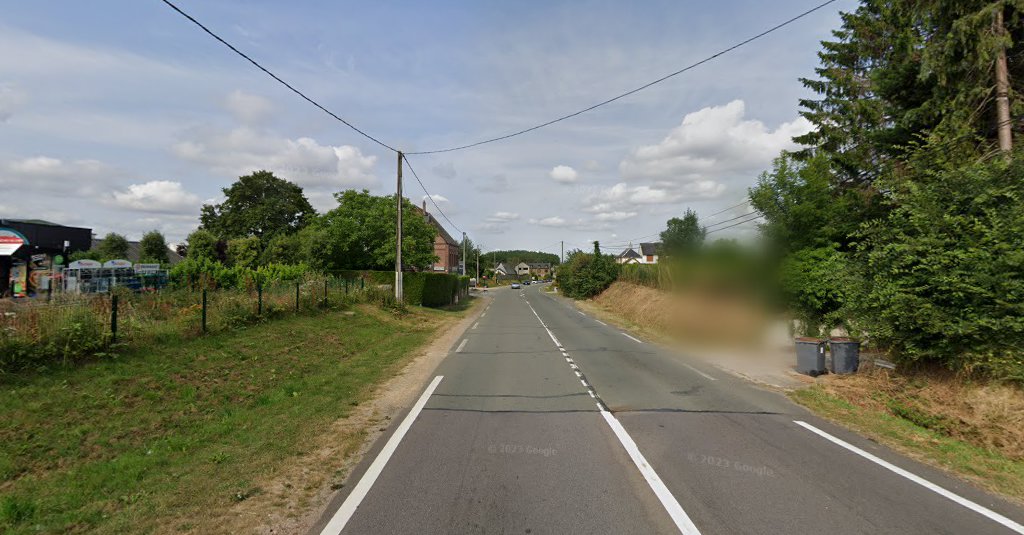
(545, 420)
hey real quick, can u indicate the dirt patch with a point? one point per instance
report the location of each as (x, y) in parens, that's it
(987, 415)
(292, 500)
(693, 316)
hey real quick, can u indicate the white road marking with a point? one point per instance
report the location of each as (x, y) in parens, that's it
(462, 345)
(631, 338)
(348, 508)
(475, 325)
(484, 314)
(668, 501)
(601, 322)
(698, 372)
(1014, 526)
(580, 313)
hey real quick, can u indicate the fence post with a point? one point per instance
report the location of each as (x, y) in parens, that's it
(362, 284)
(259, 299)
(296, 297)
(113, 318)
(204, 310)
(325, 292)
(346, 286)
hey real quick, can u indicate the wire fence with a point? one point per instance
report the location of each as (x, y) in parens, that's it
(35, 333)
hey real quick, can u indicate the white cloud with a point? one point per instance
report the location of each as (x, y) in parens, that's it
(44, 174)
(503, 217)
(615, 216)
(303, 160)
(553, 221)
(159, 196)
(442, 202)
(564, 174)
(711, 142)
(248, 108)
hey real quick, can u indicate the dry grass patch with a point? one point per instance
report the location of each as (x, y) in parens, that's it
(694, 316)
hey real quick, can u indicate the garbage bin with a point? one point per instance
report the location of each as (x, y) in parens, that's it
(845, 355)
(810, 356)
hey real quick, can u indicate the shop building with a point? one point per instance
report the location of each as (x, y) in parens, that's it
(32, 250)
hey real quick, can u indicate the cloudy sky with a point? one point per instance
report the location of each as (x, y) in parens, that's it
(122, 116)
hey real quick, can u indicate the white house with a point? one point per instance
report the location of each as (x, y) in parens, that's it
(522, 269)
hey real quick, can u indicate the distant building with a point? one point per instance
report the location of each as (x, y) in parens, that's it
(540, 269)
(522, 269)
(32, 249)
(629, 256)
(650, 252)
(446, 248)
(502, 270)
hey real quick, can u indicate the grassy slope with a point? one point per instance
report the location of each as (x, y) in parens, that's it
(987, 467)
(127, 444)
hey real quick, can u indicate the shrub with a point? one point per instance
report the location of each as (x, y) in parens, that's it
(944, 271)
(585, 275)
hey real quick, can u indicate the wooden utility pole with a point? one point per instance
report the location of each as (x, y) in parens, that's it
(561, 259)
(478, 265)
(1002, 88)
(463, 266)
(398, 235)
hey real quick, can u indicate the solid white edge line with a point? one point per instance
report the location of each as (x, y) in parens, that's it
(698, 372)
(668, 501)
(348, 508)
(462, 345)
(984, 511)
(679, 516)
(631, 338)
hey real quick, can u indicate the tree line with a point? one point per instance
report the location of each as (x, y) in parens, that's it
(900, 217)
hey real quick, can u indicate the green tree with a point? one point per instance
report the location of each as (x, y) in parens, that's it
(113, 246)
(360, 234)
(260, 205)
(202, 244)
(283, 249)
(244, 252)
(153, 247)
(683, 235)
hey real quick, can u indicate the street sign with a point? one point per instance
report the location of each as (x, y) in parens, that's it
(10, 241)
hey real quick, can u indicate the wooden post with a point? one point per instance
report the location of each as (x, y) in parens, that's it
(204, 310)
(398, 234)
(1002, 89)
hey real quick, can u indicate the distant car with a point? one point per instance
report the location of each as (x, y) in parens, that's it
(515, 286)
(526, 283)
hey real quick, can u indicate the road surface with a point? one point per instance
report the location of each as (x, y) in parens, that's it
(545, 420)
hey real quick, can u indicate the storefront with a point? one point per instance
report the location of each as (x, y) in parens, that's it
(31, 251)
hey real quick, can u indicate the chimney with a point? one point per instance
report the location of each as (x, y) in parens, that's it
(424, 205)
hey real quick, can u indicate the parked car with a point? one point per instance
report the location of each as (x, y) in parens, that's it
(515, 286)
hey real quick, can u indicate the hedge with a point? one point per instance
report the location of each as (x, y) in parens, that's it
(420, 288)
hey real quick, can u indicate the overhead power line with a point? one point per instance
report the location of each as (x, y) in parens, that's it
(734, 224)
(733, 219)
(429, 196)
(724, 210)
(632, 91)
(276, 77)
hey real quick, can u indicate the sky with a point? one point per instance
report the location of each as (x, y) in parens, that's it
(123, 116)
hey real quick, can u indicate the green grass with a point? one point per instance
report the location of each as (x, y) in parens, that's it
(127, 444)
(921, 440)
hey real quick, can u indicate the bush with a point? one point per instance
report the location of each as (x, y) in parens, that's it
(585, 275)
(812, 283)
(944, 271)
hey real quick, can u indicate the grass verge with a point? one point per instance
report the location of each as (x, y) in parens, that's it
(907, 421)
(136, 443)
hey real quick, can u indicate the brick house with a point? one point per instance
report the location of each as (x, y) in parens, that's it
(446, 248)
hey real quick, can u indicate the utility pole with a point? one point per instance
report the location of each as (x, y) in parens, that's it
(561, 259)
(463, 266)
(1002, 88)
(478, 266)
(398, 235)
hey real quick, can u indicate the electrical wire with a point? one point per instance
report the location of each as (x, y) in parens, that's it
(724, 210)
(429, 196)
(734, 224)
(276, 77)
(733, 219)
(632, 91)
